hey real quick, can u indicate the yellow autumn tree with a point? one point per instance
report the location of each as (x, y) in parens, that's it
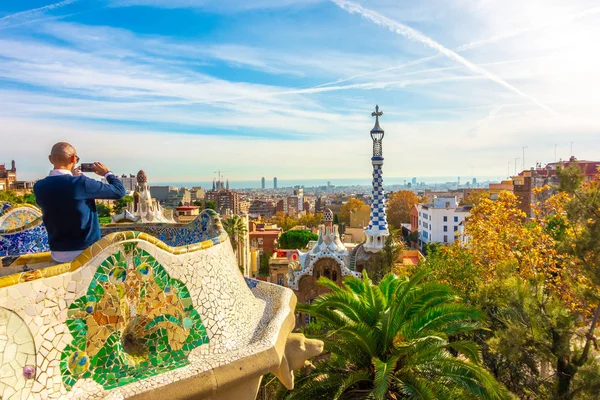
(499, 232)
(399, 206)
(351, 206)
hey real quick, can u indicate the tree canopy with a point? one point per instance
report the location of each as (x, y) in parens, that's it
(403, 338)
(210, 204)
(399, 206)
(103, 210)
(349, 207)
(11, 197)
(537, 280)
(296, 239)
(122, 204)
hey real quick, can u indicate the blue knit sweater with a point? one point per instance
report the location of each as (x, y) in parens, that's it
(69, 208)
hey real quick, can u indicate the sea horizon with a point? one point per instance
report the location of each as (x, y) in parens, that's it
(344, 182)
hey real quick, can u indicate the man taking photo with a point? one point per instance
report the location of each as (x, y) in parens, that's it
(67, 199)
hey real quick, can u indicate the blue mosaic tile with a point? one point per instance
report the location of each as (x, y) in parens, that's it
(35, 240)
(252, 283)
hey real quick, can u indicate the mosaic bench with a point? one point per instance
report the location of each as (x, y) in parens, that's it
(132, 317)
(22, 230)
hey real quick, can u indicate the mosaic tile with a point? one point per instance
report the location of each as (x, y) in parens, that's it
(34, 239)
(17, 356)
(135, 321)
(132, 314)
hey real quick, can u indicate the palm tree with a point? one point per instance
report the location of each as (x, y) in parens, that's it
(400, 339)
(236, 229)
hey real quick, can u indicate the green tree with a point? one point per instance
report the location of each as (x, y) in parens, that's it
(9, 196)
(263, 270)
(198, 203)
(236, 229)
(103, 210)
(122, 204)
(296, 239)
(398, 339)
(210, 204)
(29, 198)
(386, 259)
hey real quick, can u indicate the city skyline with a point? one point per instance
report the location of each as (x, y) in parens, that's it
(179, 87)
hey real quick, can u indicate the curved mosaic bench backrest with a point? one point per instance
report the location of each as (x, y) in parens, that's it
(128, 308)
(33, 238)
(13, 217)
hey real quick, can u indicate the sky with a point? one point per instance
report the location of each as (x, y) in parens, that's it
(184, 88)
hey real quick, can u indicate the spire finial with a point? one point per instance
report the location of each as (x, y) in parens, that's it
(376, 113)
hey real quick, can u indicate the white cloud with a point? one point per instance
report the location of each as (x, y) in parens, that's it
(260, 110)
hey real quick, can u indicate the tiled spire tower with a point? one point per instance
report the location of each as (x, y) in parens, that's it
(377, 230)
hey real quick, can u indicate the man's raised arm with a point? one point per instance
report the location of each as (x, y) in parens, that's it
(94, 189)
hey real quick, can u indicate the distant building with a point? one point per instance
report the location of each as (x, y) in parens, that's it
(197, 193)
(282, 206)
(227, 201)
(187, 213)
(244, 206)
(22, 186)
(129, 181)
(8, 176)
(496, 188)
(264, 238)
(180, 197)
(414, 181)
(319, 204)
(306, 206)
(295, 202)
(526, 182)
(263, 208)
(275, 183)
(162, 193)
(262, 182)
(439, 222)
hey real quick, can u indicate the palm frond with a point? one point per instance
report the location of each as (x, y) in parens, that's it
(384, 371)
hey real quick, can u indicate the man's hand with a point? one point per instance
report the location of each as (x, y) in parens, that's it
(101, 169)
(75, 172)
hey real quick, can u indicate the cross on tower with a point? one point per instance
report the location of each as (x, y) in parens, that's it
(377, 113)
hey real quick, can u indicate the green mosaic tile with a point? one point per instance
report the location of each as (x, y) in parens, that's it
(134, 322)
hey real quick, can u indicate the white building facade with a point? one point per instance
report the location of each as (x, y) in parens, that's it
(440, 222)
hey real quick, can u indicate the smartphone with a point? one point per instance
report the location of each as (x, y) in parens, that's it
(87, 167)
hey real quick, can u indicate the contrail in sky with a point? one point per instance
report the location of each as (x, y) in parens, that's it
(415, 35)
(477, 43)
(35, 11)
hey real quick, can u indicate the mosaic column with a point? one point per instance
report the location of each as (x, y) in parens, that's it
(377, 231)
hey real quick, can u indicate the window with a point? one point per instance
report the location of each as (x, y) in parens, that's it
(447, 204)
(445, 238)
(280, 280)
(445, 228)
(455, 228)
(326, 273)
(334, 276)
(455, 219)
(445, 218)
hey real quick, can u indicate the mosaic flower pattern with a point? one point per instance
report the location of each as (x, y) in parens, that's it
(135, 321)
(18, 218)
